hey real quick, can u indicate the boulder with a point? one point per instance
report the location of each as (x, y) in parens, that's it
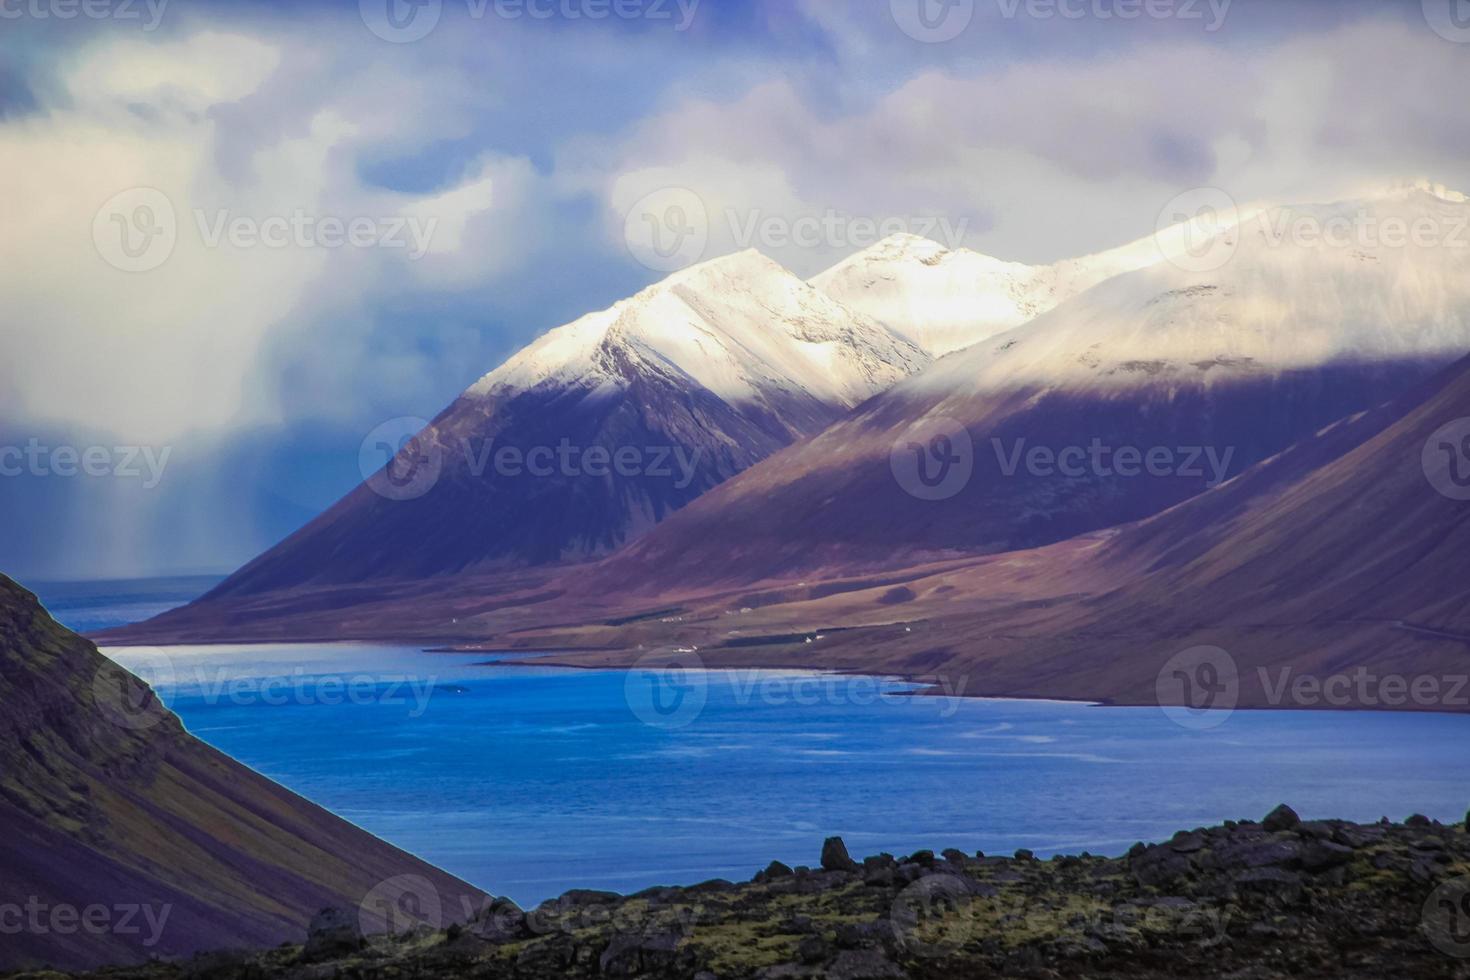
(1258, 854)
(1281, 818)
(1355, 836)
(1322, 855)
(1159, 866)
(775, 870)
(835, 856)
(924, 859)
(1315, 830)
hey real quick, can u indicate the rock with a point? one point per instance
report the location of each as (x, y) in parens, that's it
(1315, 830)
(862, 964)
(1187, 843)
(879, 870)
(924, 859)
(1258, 854)
(955, 857)
(866, 935)
(551, 955)
(813, 949)
(712, 886)
(1272, 883)
(332, 933)
(502, 922)
(1418, 820)
(776, 870)
(582, 897)
(1391, 862)
(638, 954)
(659, 894)
(1023, 854)
(1357, 837)
(835, 856)
(1159, 866)
(1281, 818)
(1321, 855)
(1423, 872)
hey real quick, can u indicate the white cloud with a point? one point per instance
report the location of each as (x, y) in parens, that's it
(261, 231)
(1063, 156)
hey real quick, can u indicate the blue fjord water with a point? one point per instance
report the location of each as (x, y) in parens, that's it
(528, 780)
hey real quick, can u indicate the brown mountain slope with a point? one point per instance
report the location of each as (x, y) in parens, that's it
(597, 431)
(1213, 370)
(108, 805)
(1337, 554)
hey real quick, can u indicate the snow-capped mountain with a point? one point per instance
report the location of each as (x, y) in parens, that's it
(602, 428)
(1380, 279)
(1316, 312)
(946, 299)
(740, 327)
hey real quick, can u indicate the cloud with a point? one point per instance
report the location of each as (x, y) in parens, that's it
(1056, 157)
(525, 144)
(158, 349)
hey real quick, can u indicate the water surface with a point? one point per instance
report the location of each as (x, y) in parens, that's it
(530, 780)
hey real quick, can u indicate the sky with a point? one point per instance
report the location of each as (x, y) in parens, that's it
(238, 237)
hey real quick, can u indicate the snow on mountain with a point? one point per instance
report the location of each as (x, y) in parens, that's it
(740, 326)
(1310, 314)
(1376, 279)
(686, 384)
(945, 299)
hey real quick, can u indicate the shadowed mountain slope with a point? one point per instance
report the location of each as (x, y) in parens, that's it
(105, 800)
(1212, 370)
(1346, 553)
(599, 430)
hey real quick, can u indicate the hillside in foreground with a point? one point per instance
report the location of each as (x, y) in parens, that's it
(1247, 900)
(110, 810)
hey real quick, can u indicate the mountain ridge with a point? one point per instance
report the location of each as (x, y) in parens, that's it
(1246, 358)
(719, 365)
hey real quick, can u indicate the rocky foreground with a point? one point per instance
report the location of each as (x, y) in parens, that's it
(1274, 898)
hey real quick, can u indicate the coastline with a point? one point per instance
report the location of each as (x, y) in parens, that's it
(618, 658)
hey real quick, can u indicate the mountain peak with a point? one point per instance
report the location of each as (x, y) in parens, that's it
(1408, 186)
(902, 246)
(740, 325)
(748, 263)
(943, 299)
